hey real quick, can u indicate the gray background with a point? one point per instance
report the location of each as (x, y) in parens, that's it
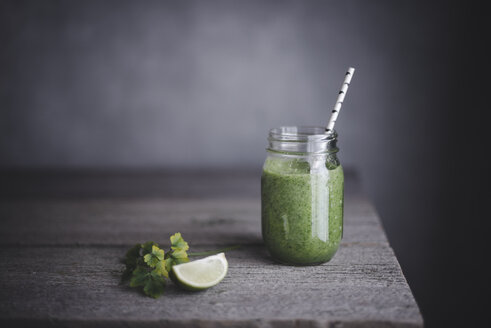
(155, 84)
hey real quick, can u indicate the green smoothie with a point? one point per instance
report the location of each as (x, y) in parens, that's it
(302, 209)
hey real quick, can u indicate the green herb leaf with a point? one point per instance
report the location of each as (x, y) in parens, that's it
(154, 257)
(147, 247)
(139, 277)
(169, 263)
(178, 242)
(179, 261)
(180, 254)
(175, 257)
(154, 286)
(132, 255)
(131, 261)
(160, 269)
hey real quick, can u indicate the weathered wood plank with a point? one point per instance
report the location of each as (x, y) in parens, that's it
(110, 184)
(80, 184)
(61, 238)
(125, 222)
(361, 286)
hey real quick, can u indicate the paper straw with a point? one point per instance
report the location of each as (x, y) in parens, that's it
(339, 101)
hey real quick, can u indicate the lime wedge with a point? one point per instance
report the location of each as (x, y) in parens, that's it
(201, 274)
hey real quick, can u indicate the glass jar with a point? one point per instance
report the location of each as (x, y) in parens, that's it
(302, 194)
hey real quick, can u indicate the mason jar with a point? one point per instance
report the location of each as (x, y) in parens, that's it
(302, 194)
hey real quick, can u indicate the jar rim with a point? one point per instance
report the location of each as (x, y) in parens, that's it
(302, 139)
(301, 133)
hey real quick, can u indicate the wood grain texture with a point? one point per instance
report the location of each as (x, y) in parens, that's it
(125, 222)
(60, 266)
(362, 283)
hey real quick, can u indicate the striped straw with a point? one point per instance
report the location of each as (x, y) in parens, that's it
(339, 101)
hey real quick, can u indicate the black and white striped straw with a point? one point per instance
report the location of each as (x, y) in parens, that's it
(339, 101)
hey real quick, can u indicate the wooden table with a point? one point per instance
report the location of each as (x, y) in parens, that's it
(63, 234)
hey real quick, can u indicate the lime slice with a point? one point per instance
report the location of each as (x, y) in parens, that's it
(201, 274)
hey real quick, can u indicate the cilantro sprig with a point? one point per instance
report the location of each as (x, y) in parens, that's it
(147, 265)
